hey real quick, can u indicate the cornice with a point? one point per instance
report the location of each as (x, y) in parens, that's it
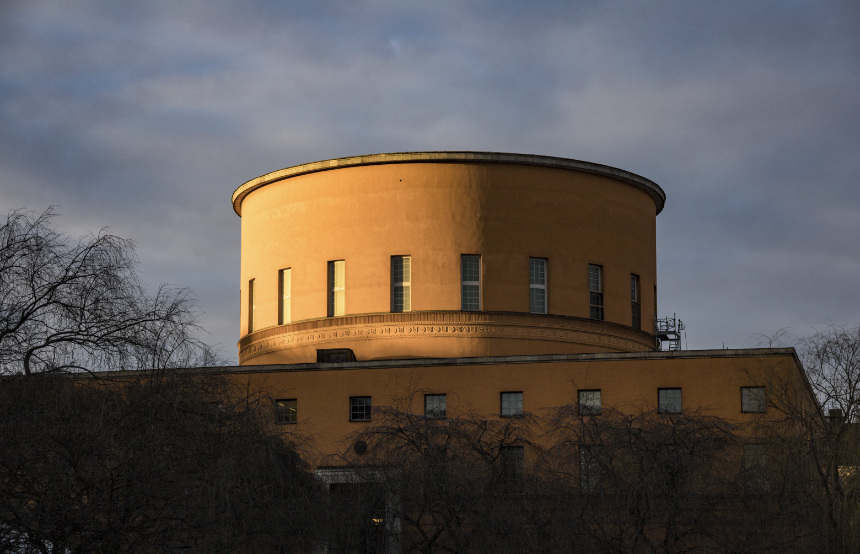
(648, 186)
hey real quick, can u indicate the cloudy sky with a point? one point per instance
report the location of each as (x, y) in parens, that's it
(145, 116)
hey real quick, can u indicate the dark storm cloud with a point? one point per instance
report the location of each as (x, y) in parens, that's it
(146, 116)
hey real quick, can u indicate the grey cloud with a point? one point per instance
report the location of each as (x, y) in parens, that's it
(146, 116)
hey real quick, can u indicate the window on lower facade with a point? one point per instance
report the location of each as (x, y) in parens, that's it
(755, 457)
(589, 469)
(755, 466)
(436, 472)
(470, 277)
(511, 404)
(589, 402)
(435, 406)
(286, 411)
(595, 291)
(753, 400)
(512, 469)
(635, 302)
(214, 412)
(251, 306)
(401, 283)
(336, 288)
(673, 463)
(285, 285)
(669, 401)
(359, 408)
(537, 285)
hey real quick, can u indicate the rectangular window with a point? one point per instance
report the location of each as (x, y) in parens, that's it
(537, 285)
(595, 291)
(251, 306)
(359, 408)
(755, 457)
(753, 400)
(512, 469)
(589, 402)
(669, 401)
(401, 283)
(655, 312)
(755, 467)
(470, 276)
(436, 472)
(635, 301)
(672, 460)
(286, 411)
(435, 406)
(512, 404)
(336, 292)
(335, 355)
(589, 469)
(285, 286)
(214, 412)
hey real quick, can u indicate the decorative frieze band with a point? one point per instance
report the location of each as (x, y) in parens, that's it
(435, 325)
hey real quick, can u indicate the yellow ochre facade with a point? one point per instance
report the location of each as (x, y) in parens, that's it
(470, 276)
(435, 208)
(709, 381)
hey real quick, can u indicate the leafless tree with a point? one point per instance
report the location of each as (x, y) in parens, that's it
(832, 361)
(822, 432)
(187, 463)
(78, 305)
(576, 479)
(463, 481)
(642, 481)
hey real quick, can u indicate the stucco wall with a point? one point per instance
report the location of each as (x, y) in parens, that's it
(710, 383)
(434, 212)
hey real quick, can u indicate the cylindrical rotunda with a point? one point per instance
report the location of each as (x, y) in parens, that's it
(446, 254)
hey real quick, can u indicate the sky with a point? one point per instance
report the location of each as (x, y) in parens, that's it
(144, 117)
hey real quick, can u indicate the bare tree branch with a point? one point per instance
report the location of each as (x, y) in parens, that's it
(67, 304)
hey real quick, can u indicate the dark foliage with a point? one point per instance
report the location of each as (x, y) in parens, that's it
(147, 466)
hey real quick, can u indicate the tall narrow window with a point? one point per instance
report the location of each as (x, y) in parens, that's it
(537, 285)
(436, 473)
(511, 458)
(595, 291)
(655, 301)
(401, 283)
(755, 467)
(673, 464)
(251, 306)
(635, 302)
(285, 285)
(336, 293)
(589, 469)
(470, 274)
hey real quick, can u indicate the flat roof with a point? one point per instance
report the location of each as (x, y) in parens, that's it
(650, 187)
(483, 360)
